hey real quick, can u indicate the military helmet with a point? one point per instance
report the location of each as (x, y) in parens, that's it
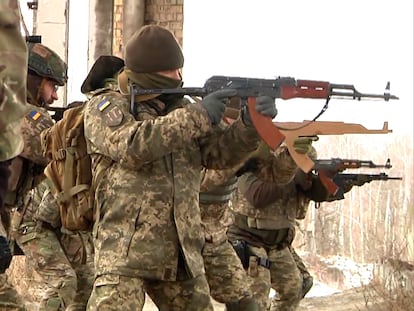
(46, 63)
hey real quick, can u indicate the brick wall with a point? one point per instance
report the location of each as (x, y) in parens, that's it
(117, 27)
(166, 13)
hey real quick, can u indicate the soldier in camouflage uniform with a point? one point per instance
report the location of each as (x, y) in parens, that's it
(264, 225)
(45, 72)
(13, 70)
(307, 278)
(63, 258)
(147, 158)
(225, 273)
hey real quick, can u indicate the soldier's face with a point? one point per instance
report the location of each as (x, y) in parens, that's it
(49, 94)
(173, 74)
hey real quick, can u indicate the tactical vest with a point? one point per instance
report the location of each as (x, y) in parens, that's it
(219, 194)
(282, 213)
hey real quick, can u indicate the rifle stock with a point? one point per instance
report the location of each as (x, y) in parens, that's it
(292, 130)
(269, 133)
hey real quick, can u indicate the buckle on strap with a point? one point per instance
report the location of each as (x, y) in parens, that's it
(264, 262)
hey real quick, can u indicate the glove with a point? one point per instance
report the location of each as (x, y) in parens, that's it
(215, 104)
(5, 254)
(262, 151)
(265, 105)
(303, 145)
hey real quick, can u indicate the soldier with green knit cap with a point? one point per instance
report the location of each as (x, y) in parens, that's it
(148, 235)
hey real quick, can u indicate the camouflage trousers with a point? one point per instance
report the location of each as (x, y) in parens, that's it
(9, 298)
(65, 265)
(225, 274)
(115, 292)
(259, 276)
(286, 280)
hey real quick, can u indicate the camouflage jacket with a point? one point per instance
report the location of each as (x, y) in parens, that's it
(266, 211)
(148, 198)
(27, 168)
(13, 70)
(269, 206)
(216, 191)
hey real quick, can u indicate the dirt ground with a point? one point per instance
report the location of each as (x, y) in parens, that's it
(27, 283)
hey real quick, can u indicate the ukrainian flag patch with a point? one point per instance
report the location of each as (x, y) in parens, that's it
(103, 104)
(34, 115)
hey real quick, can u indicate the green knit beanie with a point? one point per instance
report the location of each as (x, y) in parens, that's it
(152, 49)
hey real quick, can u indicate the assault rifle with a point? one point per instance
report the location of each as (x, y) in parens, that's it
(342, 180)
(282, 87)
(330, 167)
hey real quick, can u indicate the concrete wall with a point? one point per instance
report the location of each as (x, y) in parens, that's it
(51, 23)
(81, 31)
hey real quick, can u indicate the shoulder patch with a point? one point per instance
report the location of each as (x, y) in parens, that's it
(104, 103)
(113, 116)
(34, 115)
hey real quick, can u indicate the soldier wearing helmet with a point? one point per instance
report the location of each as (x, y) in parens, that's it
(45, 72)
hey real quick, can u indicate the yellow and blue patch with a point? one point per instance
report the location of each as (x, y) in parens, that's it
(103, 104)
(34, 115)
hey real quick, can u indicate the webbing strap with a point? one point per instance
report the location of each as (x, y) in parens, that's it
(66, 195)
(68, 181)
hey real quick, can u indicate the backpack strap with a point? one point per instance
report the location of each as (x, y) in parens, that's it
(65, 195)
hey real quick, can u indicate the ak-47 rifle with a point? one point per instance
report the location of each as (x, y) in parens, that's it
(282, 87)
(326, 168)
(342, 179)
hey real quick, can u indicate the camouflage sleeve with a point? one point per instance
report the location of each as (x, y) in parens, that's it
(278, 168)
(259, 193)
(111, 130)
(33, 124)
(213, 178)
(47, 208)
(13, 70)
(11, 140)
(227, 147)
